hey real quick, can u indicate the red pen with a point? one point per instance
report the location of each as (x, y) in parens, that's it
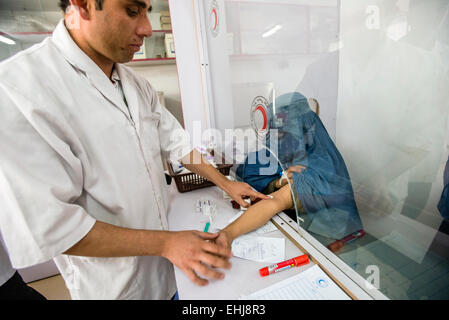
(294, 262)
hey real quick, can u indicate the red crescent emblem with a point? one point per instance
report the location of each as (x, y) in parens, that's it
(264, 114)
(214, 11)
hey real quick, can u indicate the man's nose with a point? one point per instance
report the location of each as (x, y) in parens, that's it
(144, 28)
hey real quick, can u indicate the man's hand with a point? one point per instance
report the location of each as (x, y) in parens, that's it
(195, 256)
(240, 190)
(195, 162)
(224, 240)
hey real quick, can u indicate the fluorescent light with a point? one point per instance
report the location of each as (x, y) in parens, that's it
(335, 46)
(7, 40)
(398, 30)
(272, 31)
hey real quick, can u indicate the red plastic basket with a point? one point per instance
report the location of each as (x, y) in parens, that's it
(191, 181)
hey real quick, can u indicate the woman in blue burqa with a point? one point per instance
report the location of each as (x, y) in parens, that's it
(310, 176)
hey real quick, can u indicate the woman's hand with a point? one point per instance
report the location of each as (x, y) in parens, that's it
(282, 181)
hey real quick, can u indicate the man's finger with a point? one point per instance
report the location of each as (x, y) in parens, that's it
(223, 243)
(215, 261)
(194, 278)
(207, 272)
(207, 235)
(242, 202)
(217, 249)
(258, 195)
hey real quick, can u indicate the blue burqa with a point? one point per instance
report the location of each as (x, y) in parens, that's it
(324, 187)
(443, 205)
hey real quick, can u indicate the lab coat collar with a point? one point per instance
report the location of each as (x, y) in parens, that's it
(129, 90)
(115, 77)
(81, 61)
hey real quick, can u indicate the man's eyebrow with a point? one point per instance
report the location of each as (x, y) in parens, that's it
(142, 5)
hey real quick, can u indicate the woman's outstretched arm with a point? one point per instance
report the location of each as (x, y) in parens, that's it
(256, 216)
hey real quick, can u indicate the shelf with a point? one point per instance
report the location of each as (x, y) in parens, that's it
(51, 32)
(36, 37)
(151, 61)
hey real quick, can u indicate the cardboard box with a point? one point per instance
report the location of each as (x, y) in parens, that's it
(141, 54)
(166, 26)
(165, 13)
(165, 20)
(155, 47)
(169, 46)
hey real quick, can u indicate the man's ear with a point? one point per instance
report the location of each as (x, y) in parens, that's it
(83, 7)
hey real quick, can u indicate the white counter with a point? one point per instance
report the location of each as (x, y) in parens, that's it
(243, 278)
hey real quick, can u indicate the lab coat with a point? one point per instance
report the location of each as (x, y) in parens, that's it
(71, 154)
(6, 269)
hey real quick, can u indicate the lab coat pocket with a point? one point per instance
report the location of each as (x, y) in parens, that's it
(104, 278)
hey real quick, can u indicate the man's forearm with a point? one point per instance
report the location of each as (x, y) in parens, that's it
(197, 164)
(188, 250)
(238, 191)
(107, 240)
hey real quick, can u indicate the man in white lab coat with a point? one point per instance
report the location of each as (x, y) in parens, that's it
(81, 175)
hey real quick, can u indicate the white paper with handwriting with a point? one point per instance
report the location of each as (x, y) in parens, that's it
(266, 228)
(259, 249)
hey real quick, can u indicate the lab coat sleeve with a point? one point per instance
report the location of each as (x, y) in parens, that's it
(40, 180)
(174, 140)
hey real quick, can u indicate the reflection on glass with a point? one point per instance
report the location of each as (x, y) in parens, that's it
(443, 205)
(392, 128)
(320, 184)
(379, 71)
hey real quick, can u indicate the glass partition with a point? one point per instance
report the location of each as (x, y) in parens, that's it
(346, 104)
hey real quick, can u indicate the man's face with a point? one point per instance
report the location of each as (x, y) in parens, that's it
(118, 30)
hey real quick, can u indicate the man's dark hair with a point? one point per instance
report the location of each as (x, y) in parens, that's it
(63, 4)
